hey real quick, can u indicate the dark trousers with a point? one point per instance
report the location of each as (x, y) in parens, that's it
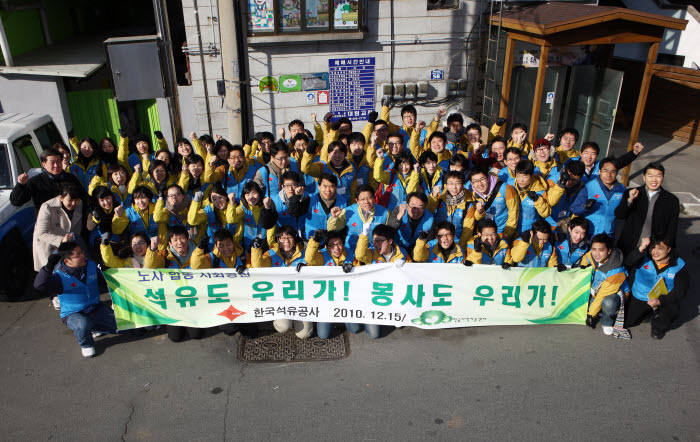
(177, 333)
(661, 319)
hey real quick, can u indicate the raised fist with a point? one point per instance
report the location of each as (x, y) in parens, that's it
(320, 236)
(637, 148)
(23, 178)
(589, 204)
(634, 193)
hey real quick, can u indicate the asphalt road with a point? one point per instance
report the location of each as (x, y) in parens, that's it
(521, 382)
(481, 383)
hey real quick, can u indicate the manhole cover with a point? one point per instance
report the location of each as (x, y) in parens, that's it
(286, 347)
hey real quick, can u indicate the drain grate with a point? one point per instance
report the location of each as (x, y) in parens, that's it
(286, 347)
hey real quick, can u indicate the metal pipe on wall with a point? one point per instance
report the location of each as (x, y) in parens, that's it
(231, 70)
(5, 46)
(201, 61)
(163, 29)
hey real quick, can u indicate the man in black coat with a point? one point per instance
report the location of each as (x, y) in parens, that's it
(47, 184)
(649, 211)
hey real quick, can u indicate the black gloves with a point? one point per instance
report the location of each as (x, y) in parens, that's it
(526, 236)
(105, 238)
(257, 243)
(320, 236)
(97, 214)
(299, 266)
(204, 243)
(122, 133)
(505, 266)
(158, 134)
(335, 125)
(241, 269)
(53, 261)
(467, 263)
(532, 195)
(477, 244)
(327, 117)
(560, 267)
(372, 116)
(500, 121)
(71, 133)
(583, 267)
(563, 178)
(162, 193)
(311, 148)
(423, 236)
(589, 204)
(347, 267)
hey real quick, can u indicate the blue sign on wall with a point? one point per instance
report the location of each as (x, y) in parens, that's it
(437, 74)
(351, 87)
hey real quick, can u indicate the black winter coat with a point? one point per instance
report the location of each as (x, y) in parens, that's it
(664, 219)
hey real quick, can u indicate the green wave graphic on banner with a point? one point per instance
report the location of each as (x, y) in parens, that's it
(130, 311)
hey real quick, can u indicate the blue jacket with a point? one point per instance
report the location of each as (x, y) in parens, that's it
(78, 289)
(231, 185)
(602, 214)
(406, 236)
(317, 218)
(214, 224)
(353, 222)
(533, 260)
(646, 275)
(568, 256)
(284, 219)
(136, 224)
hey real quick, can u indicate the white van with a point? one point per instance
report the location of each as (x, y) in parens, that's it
(22, 138)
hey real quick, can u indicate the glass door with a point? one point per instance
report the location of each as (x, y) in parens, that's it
(591, 103)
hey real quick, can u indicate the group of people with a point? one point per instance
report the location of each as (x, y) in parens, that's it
(335, 196)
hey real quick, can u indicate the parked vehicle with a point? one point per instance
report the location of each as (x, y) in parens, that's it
(22, 138)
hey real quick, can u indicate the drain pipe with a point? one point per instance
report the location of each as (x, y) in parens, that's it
(5, 46)
(201, 62)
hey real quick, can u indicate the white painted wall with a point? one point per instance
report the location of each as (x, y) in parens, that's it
(674, 42)
(35, 94)
(412, 63)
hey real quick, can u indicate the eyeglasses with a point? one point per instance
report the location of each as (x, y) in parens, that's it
(334, 245)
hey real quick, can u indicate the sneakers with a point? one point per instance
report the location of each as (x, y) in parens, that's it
(56, 303)
(591, 321)
(306, 331)
(88, 352)
(607, 330)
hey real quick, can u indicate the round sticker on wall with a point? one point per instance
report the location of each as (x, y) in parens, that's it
(269, 84)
